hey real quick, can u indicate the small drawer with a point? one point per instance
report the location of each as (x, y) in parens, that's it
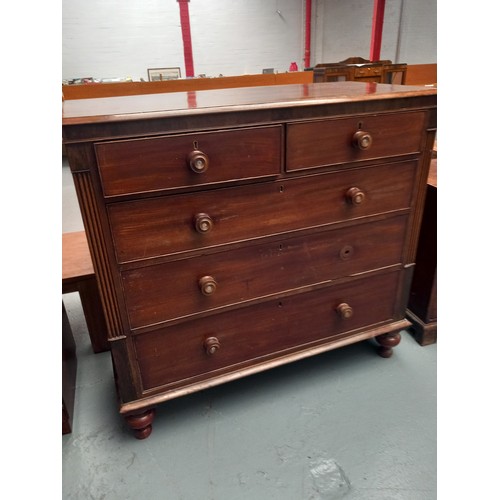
(346, 140)
(144, 229)
(225, 342)
(360, 72)
(153, 164)
(177, 289)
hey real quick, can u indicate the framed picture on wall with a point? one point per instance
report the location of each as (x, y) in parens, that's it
(160, 74)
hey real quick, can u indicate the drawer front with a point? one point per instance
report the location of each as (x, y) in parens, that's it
(331, 142)
(142, 165)
(227, 341)
(149, 228)
(362, 72)
(180, 288)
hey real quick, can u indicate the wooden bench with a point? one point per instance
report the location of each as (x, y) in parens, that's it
(78, 276)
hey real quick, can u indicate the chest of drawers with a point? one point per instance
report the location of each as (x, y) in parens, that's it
(233, 231)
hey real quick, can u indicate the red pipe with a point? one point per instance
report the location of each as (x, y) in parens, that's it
(377, 27)
(186, 37)
(307, 44)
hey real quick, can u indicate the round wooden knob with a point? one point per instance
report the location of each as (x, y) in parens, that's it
(345, 311)
(362, 140)
(208, 285)
(211, 345)
(198, 161)
(203, 223)
(355, 196)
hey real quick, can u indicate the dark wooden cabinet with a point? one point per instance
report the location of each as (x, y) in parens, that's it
(233, 231)
(422, 305)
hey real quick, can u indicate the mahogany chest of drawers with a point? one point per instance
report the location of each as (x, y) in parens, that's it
(233, 231)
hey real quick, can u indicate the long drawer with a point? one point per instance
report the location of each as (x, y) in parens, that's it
(226, 341)
(144, 229)
(153, 164)
(345, 140)
(171, 290)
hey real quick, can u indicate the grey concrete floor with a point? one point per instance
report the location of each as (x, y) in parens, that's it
(347, 424)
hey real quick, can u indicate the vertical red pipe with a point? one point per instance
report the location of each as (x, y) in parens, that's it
(186, 37)
(307, 44)
(377, 27)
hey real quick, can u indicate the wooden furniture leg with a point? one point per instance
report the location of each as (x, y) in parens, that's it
(141, 423)
(78, 276)
(94, 314)
(69, 363)
(387, 342)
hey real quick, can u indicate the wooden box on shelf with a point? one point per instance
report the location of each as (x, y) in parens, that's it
(361, 70)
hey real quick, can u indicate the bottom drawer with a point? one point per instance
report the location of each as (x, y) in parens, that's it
(227, 341)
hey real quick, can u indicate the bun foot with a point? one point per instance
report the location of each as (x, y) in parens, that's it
(140, 423)
(387, 341)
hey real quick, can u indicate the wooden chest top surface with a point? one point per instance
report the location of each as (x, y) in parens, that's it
(217, 101)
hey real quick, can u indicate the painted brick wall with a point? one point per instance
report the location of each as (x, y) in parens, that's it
(418, 32)
(244, 36)
(122, 38)
(343, 29)
(119, 38)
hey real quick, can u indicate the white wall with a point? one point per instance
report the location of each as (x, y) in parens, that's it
(243, 36)
(122, 38)
(119, 38)
(342, 28)
(419, 30)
